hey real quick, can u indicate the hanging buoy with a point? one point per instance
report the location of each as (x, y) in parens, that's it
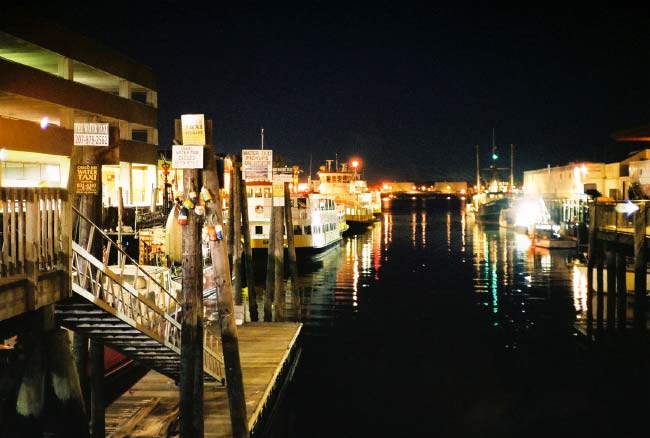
(205, 194)
(199, 210)
(193, 197)
(188, 204)
(212, 233)
(219, 231)
(182, 215)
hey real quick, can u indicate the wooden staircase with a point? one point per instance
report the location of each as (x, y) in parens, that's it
(143, 324)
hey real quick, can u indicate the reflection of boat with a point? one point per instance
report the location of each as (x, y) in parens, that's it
(317, 221)
(507, 217)
(348, 189)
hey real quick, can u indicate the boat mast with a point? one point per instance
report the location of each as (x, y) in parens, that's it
(262, 138)
(478, 173)
(512, 167)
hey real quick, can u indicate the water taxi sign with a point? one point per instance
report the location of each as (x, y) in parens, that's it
(283, 174)
(91, 134)
(193, 129)
(257, 164)
(187, 157)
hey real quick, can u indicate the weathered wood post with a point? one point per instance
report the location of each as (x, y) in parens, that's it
(226, 312)
(191, 362)
(269, 289)
(230, 229)
(600, 293)
(278, 255)
(235, 218)
(97, 398)
(640, 270)
(591, 262)
(621, 290)
(248, 254)
(191, 384)
(610, 256)
(291, 248)
(90, 205)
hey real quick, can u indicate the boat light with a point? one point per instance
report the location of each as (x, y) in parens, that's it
(44, 122)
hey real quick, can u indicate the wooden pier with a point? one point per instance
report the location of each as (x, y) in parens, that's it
(618, 244)
(268, 351)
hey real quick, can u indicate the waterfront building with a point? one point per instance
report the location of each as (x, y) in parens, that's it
(51, 78)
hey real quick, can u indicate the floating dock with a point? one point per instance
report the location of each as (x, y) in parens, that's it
(268, 353)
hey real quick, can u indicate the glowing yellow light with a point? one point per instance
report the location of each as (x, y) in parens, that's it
(355, 164)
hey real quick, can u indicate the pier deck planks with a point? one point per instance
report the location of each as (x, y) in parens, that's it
(263, 348)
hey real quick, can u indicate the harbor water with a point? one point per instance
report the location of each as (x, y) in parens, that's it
(429, 324)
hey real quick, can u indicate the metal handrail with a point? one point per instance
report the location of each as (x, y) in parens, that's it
(93, 279)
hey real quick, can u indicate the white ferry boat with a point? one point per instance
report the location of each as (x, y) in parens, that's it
(348, 189)
(317, 220)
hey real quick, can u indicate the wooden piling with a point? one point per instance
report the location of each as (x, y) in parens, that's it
(291, 252)
(278, 255)
(97, 398)
(621, 291)
(226, 312)
(191, 385)
(248, 254)
(640, 270)
(230, 231)
(600, 293)
(591, 262)
(269, 284)
(610, 257)
(236, 231)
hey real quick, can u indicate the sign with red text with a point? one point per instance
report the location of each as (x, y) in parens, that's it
(257, 164)
(187, 157)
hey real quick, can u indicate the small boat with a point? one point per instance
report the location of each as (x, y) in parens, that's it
(318, 221)
(547, 236)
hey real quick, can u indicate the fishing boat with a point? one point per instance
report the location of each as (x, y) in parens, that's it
(547, 236)
(318, 222)
(345, 185)
(499, 195)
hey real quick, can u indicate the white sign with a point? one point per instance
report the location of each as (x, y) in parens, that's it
(187, 157)
(283, 174)
(257, 164)
(91, 134)
(278, 194)
(193, 129)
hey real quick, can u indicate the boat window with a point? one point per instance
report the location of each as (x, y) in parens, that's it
(321, 204)
(302, 202)
(259, 229)
(249, 193)
(297, 230)
(307, 229)
(258, 192)
(267, 192)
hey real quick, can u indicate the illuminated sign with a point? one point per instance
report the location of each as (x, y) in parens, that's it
(88, 179)
(193, 129)
(91, 134)
(278, 194)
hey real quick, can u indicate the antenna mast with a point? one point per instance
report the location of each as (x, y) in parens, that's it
(262, 138)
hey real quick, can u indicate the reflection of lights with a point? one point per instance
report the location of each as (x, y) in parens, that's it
(3, 154)
(522, 242)
(579, 282)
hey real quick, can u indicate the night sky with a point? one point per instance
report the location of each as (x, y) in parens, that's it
(409, 90)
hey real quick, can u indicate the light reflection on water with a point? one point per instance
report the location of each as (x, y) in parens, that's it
(426, 280)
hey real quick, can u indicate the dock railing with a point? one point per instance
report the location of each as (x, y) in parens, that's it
(35, 236)
(609, 218)
(150, 304)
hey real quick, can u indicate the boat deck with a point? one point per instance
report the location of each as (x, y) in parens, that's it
(268, 351)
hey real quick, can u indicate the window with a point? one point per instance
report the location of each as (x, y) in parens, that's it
(267, 192)
(297, 230)
(307, 229)
(259, 229)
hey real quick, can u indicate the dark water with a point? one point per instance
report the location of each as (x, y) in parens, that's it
(430, 325)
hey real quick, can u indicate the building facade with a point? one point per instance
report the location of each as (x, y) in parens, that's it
(51, 78)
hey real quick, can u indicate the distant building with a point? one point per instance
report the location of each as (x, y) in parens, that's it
(450, 187)
(51, 78)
